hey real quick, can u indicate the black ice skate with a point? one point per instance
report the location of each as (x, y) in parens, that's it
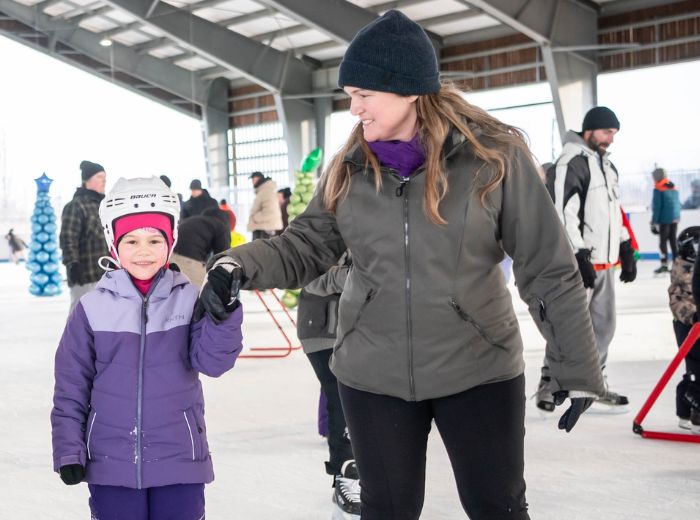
(682, 404)
(662, 269)
(347, 489)
(692, 396)
(610, 402)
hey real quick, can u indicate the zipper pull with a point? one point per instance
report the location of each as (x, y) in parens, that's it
(399, 190)
(145, 310)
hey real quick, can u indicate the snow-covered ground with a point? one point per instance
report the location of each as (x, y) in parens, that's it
(268, 457)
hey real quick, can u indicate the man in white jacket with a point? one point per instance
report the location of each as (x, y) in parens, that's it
(584, 186)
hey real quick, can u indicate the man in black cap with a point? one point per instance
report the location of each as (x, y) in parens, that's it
(82, 239)
(265, 216)
(584, 186)
(198, 202)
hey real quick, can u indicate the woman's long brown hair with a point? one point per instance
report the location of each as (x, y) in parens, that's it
(437, 114)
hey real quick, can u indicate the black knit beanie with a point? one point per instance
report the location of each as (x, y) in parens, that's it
(600, 117)
(88, 169)
(391, 54)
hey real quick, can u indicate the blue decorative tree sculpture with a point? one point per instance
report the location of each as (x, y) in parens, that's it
(44, 256)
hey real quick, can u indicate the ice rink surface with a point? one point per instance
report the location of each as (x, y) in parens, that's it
(268, 457)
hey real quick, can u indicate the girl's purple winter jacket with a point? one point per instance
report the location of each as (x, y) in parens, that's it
(128, 402)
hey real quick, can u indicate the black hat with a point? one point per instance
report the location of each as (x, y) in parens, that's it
(600, 117)
(166, 180)
(391, 54)
(257, 174)
(88, 169)
(196, 184)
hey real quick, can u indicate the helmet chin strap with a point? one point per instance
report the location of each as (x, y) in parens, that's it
(105, 261)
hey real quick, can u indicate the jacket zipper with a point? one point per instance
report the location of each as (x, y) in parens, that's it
(139, 390)
(92, 423)
(458, 309)
(402, 191)
(189, 428)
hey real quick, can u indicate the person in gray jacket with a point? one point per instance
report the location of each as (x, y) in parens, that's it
(317, 320)
(429, 193)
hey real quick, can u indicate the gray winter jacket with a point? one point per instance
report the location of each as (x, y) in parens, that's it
(425, 312)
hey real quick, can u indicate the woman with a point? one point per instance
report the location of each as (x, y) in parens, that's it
(428, 193)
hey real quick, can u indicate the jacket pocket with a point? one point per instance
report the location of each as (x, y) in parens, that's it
(88, 434)
(479, 329)
(538, 309)
(195, 431)
(368, 299)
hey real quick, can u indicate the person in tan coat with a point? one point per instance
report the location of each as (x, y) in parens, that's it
(265, 215)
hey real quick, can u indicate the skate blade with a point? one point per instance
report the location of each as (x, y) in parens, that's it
(608, 409)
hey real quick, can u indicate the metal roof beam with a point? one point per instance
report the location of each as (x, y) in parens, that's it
(338, 19)
(272, 69)
(248, 17)
(146, 47)
(151, 70)
(120, 29)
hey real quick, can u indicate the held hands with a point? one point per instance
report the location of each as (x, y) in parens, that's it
(627, 262)
(580, 401)
(72, 474)
(219, 294)
(585, 267)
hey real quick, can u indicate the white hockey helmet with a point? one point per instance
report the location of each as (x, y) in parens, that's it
(139, 195)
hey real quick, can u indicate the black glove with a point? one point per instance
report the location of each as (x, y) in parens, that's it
(219, 296)
(75, 273)
(72, 474)
(578, 405)
(655, 229)
(627, 262)
(585, 267)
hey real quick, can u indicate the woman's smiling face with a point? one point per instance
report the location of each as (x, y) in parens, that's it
(384, 116)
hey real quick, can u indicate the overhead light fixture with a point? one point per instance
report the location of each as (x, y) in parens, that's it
(105, 42)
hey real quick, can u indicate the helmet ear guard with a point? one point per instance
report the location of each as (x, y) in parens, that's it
(133, 196)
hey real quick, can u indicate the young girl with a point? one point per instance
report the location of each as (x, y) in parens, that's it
(128, 415)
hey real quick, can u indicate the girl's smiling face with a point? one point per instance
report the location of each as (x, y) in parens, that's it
(143, 252)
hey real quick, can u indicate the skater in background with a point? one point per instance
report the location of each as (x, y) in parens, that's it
(199, 201)
(665, 215)
(428, 193)
(201, 236)
(693, 201)
(265, 214)
(283, 197)
(685, 314)
(17, 246)
(317, 319)
(128, 414)
(81, 238)
(226, 208)
(583, 184)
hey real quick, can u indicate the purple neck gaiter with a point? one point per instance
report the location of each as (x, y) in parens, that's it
(403, 156)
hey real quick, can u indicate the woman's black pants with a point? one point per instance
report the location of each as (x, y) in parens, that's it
(483, 429)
